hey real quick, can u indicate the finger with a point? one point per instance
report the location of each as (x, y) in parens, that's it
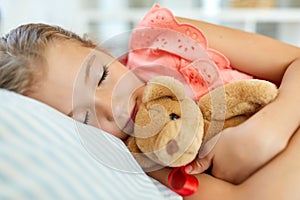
(198, 166)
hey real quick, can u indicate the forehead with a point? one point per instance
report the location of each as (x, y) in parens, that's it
(65, 62)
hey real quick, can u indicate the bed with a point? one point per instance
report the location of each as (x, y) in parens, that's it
(47, 155)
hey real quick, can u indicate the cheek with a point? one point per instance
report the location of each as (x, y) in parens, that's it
(111, 128)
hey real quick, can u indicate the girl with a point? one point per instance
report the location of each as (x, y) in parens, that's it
(70, 74)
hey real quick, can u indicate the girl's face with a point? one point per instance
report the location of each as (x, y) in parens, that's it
(91, 87)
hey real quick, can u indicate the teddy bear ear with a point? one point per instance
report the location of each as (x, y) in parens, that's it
(163, 86)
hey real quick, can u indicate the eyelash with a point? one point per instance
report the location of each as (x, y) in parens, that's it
(104, 75)
(86, 118)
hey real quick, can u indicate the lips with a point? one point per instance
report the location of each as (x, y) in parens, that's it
(134, 112)
(128, 128)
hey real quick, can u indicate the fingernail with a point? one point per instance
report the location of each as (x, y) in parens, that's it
(188, 169)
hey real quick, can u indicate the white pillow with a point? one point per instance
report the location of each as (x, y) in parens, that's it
(47, 155)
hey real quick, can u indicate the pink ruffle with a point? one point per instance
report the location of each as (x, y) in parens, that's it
(159, 40)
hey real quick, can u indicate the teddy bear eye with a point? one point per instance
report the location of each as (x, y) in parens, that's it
(173, 116)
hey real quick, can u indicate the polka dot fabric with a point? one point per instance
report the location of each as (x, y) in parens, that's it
(159, 44)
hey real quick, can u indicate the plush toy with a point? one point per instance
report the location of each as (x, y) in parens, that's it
(170, 128)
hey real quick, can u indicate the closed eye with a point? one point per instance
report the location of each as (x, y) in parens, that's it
(86, 118)
(104, 74)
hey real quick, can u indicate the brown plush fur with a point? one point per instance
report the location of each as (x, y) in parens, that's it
(170, 128)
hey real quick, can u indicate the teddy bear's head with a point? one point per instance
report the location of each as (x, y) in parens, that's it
(168, 125)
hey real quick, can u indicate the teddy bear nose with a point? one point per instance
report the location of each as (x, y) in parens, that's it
(173, 116)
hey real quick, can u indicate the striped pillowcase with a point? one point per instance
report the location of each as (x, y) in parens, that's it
(47, 155)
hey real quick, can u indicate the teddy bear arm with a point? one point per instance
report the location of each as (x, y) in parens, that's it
(237, 99)
(245, 98)
(234, 103)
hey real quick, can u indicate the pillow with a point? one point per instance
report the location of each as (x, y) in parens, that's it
(47, 155)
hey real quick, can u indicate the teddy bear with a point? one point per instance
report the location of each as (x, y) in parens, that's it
(170, 128)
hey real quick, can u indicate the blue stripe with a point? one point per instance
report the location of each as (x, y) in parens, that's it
(48, 152)
(45, 123)
(17, 166)
(52, 152)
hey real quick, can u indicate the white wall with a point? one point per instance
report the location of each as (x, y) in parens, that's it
(66, 13)
(105, 18)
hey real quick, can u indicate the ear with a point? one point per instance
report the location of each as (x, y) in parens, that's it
(163, 86)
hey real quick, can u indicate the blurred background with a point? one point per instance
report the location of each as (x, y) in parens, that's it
(102, 19)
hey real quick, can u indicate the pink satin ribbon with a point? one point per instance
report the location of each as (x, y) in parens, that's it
(182, 183)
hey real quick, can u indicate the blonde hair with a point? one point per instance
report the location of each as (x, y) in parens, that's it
(22, 54)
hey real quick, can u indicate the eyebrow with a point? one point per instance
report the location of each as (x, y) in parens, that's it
(88, 67)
